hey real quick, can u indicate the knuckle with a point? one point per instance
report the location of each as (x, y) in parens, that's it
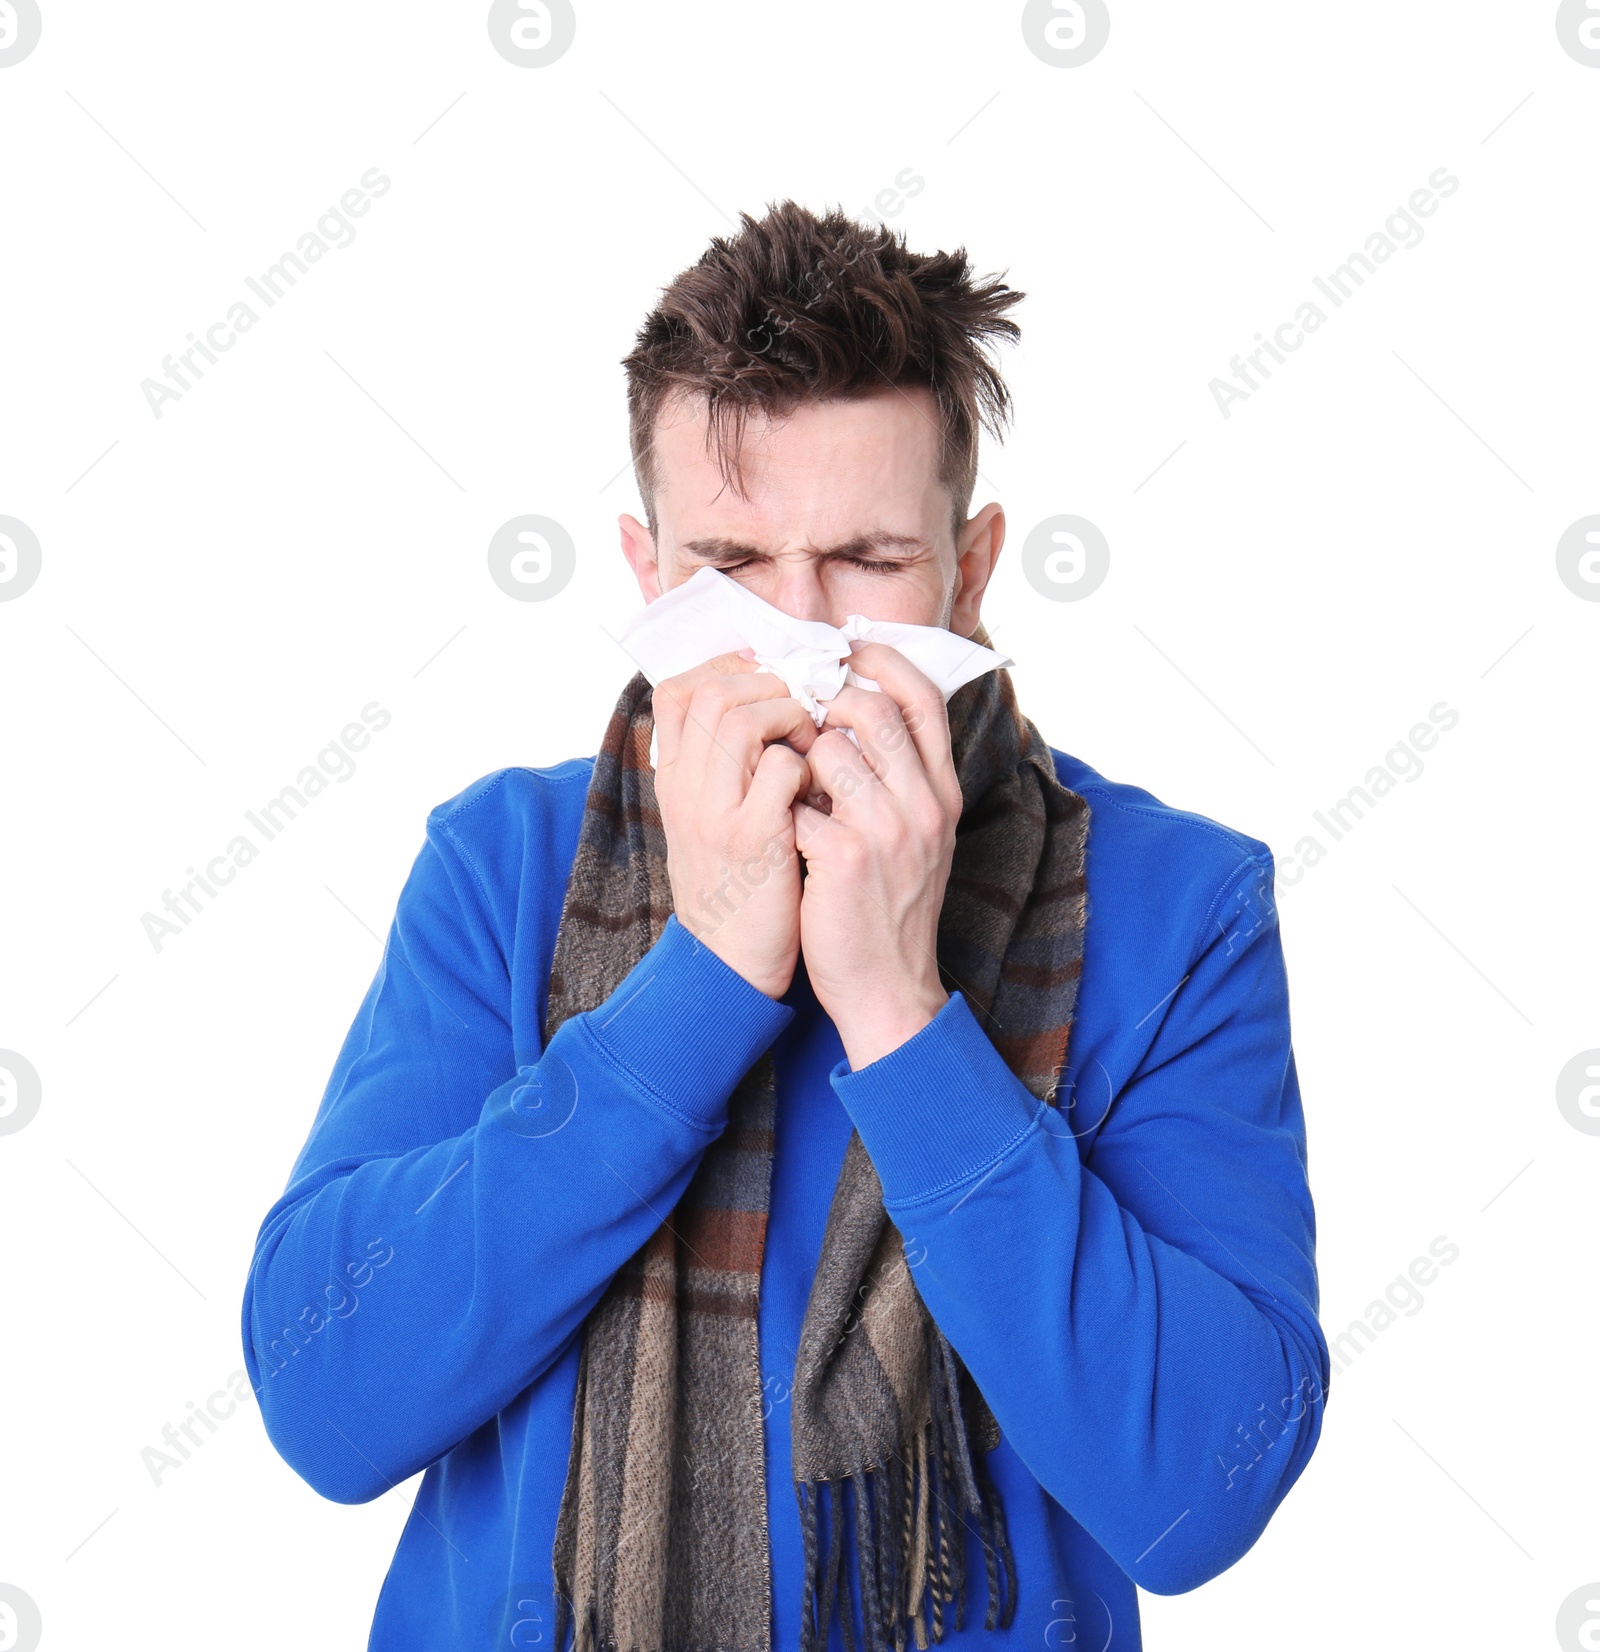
(852, 854)
(932, 825)
(712, 698)
(881, 718)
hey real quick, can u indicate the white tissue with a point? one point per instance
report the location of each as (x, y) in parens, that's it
(711, 614)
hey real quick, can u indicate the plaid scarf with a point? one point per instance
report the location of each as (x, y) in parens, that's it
(661, 1543)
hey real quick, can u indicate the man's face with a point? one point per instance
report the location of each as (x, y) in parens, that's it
(842, 513)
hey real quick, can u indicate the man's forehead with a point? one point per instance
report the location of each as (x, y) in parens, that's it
(822, 478)
(898, 421)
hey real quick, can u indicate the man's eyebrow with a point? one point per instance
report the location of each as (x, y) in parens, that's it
(719, 549)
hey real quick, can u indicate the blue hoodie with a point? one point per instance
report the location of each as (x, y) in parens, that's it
(1130, 1280)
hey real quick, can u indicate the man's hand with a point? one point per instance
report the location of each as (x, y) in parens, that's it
(878, 862)
(725, 792)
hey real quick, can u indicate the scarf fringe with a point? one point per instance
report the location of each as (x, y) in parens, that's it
(909, 1522)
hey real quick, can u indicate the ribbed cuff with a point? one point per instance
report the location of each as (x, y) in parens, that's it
(686, 1026)
(939, 1110)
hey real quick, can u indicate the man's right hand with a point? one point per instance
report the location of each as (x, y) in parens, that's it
(725, 788)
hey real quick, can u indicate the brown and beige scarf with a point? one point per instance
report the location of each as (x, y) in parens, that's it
(661, 1543)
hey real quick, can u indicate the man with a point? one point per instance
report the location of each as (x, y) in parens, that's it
(834, 1188)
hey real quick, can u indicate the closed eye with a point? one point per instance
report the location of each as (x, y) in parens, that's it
(871, 564)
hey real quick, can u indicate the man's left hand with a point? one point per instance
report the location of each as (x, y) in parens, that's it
(877, 863)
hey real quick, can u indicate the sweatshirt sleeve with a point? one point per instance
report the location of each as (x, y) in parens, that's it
(1142, 1319)
(454, 1216)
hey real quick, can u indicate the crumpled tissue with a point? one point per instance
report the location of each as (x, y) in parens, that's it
(711, 614)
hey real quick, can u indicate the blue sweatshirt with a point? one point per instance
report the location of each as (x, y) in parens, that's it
(1129, 1279)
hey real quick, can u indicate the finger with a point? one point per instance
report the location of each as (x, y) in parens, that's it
(669, 702)
(672, 697)
(887, 747)
(808, 823)
(723, 734)
(781, 775)
(721, 767)
(839, 771)
(922, 705)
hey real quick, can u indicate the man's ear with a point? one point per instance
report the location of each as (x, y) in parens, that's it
(639, 546)
(977, 551)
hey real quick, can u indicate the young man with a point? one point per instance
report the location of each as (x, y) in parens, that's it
(820, 1191)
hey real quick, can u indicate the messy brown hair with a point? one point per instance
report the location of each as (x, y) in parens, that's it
(798, 307)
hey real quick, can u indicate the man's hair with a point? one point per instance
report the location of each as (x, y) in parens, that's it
(799, 308)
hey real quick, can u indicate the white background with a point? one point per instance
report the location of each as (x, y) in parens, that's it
(224, 587)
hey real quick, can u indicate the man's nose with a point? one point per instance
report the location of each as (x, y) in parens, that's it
(799, 591)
